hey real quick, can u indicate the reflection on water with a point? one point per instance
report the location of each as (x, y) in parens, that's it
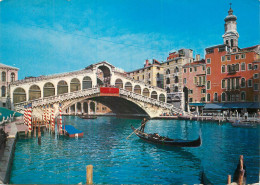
(117, 160)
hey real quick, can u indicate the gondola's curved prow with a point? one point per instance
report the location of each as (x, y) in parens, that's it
(156, 139)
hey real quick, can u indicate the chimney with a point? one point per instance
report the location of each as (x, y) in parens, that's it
(197, 57)
(146, 63)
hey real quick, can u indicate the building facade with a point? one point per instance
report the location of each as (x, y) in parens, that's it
(232, 73)
(173, 76)
(194, 79)
(8, 74)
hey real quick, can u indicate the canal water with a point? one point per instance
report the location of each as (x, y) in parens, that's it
(117, 160)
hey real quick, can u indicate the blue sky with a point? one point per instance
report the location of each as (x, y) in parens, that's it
(43, 37)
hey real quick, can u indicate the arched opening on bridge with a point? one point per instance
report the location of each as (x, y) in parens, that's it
(146, 92)
(48, 89)
(85, 107)
(162, 97)
(104, 74)
(62, 87)
(154, 95)
(34, 92)
(128, 86)
(92, 107)
(119, 83)
(74, 85)
(86, 83)
(78, 107)
(137, 89)
(19, 95)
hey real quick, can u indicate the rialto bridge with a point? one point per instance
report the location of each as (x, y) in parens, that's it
(94, 83)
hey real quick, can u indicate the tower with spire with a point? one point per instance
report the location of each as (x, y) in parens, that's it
(231, 35)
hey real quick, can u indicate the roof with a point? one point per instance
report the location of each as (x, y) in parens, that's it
(6, 66)
(195, 63)
(250, 48)
(217, 46)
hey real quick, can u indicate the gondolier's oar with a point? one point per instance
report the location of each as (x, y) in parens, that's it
(133, 132)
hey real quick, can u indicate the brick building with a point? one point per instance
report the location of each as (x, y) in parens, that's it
(8, 74)
(194, 79)
(232, 73)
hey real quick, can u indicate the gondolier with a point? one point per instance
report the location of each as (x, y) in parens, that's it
(143, 124)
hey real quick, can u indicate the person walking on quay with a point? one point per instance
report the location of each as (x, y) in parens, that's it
(143, 124)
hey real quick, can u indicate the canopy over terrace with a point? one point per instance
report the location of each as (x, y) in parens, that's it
(240, 105)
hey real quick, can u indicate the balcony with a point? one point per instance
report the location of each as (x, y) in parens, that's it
(231, 72)
(200, 84)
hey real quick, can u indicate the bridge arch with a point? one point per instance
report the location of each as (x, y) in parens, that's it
(105, 73)
(19, 95)
(75, 85)
(128, 86)
(78, 107)
(34, 92)
(154, 95)
(62, 87)
(119, 83)
(137, 89)
(48, 89)
(146, 92)
(86, 82)
(85, 107)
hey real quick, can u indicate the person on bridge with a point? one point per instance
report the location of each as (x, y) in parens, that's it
(143, 124)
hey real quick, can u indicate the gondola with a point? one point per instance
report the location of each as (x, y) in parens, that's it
(87, 117)
(156, 139)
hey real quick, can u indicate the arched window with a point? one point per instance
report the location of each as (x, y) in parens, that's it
(223, 97)
(168, 90)
(215, 96)
(223, 69)
(168, 81)
(86, 82)
(146, 92)
(162, 97)
(3, 91)
(208, 84)
(3, 76)
(176, 70)
(228, 97)
(128, 86)
(208, 70)
(243, 96)
(137, 89)
(74, 85)
(223, 84)
(168, 71)
(243, 66)
(176, 80)
(12, 77)
(243, 82)
(154, 95)
(208, 97)
(62, 87)
(48, 89)
(119, 83)
(176, 89)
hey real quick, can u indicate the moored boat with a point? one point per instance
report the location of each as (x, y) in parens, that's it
(87, 117)
(245, 124)
(156, 139)
(72, 131)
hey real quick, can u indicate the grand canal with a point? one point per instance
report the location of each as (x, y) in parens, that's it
(116, 160)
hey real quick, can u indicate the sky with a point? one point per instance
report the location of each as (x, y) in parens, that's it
(43, 37)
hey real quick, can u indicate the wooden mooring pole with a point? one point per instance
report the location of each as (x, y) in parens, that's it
(242, 171)
(90, 174)
(39, 133)
(34, 126)
(229, 179)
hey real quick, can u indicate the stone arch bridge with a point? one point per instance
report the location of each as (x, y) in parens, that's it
(95, 82)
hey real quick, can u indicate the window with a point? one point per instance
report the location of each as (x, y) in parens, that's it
(184, 80)
(208, 60)
(168, 71)
(190, 69)
(237, 57)
(256, 99)
(223, 69)
(255, 66)
(229, 68)
(223, 84)
(195, 69)
(195, 80)
(3, 76)
(228, 84)
(190, 91)
(256, 75)
(204, 80)
(243, 96)
(243, 82)
(167, 63)
(190, 99)
(237, 83)
(176, 80)
(208, 70)
(168, 90)
(203, 91)
(223, 97)
(249, 67)
(208, 84)
(184, 70)
(228, 57)
(168, 81)
(243, 66)
(228, 97)
(221, 49)
(208, 97)
(243, 56)
(149, 75)
(3, 91)
(250, 83)
(203, 99)
(12, 77)
(223, 58)
(237, 67)
(143, 77)
(203, 68)
(256, 87)
(215, 96)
